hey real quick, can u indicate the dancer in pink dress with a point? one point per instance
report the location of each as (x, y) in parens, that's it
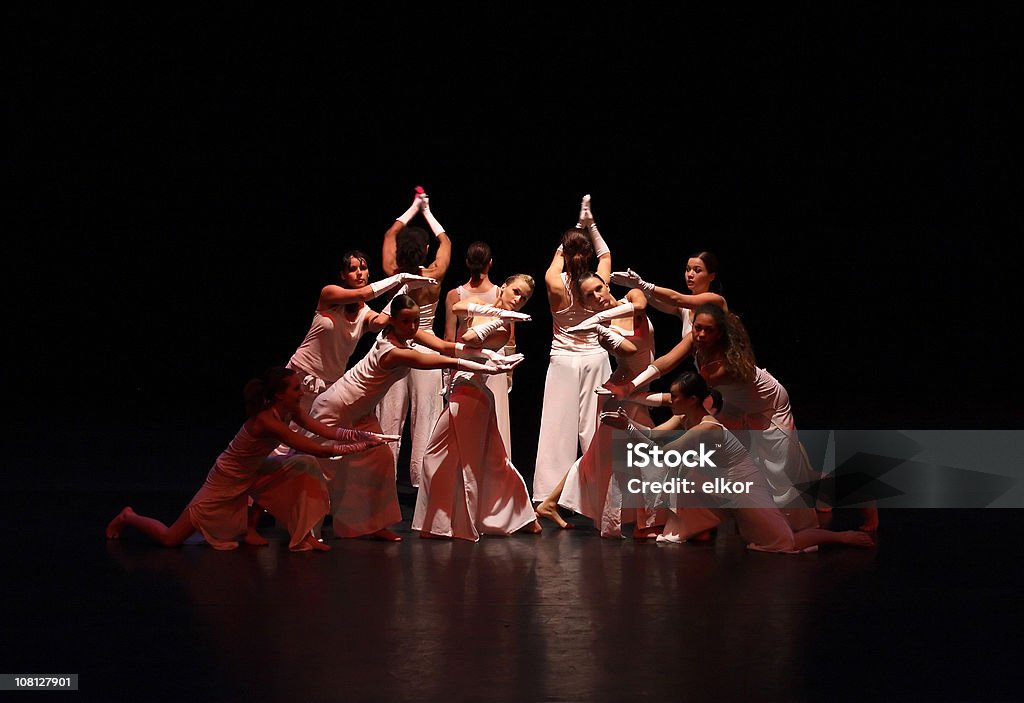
(480, 289)
(762, 525)
(341, 318)
(291, 488)
(364, 498)
(469, 485)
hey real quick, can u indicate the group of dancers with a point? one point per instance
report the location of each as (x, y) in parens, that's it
(322, 438)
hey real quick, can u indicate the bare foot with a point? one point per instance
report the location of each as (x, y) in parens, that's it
(648, 532)
(533, 528)
(115, 525)
(855, 538)
(549, 510)
(311, 544)
(386, 535)
(870, 520)
(253, 537)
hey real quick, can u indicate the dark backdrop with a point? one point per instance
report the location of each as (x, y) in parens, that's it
(183, 184)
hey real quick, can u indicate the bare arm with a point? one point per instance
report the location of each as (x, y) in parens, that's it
(451, 319)
(388, 260)
(674, 299)
(558, 297)
(268, 424)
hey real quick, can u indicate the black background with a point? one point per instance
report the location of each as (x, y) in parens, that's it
(182, 184)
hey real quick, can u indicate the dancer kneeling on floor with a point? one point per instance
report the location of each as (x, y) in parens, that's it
(290, 487)
(762, 525)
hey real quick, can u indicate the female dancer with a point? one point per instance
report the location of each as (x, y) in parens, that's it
(701, 271)
(341, 318)
(291, 488)
(364, 500)
(578, 364)
(419, 392)
(480, 289)
(760, 522)
(588, 487)
(755, 402)
(469, 485)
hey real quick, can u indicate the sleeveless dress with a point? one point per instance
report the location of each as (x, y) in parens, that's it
(418, 394)
(761, 409)
(469, 485)
(325, 351)
(291, 488)
(577, 366)
(498, 383)
(364, 497)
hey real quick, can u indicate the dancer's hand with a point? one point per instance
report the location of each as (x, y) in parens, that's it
(617, 390)
(586, 218)
(507, 363)
(314, 384)
(617, 419)
(493, 311)
(631, 279)
(385, 438)
(413, 281)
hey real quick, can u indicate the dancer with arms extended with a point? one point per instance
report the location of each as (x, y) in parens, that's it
(762, 525)
(480, 289)
(588, 487)
(291, 488)
(470, 486)
(341, 318)
(364, 499)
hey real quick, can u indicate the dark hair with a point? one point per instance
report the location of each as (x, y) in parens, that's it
(347, 257)
(399, 303)
(411, 248)
(477, 257)
(577, 252)
(261, 392)
(711, 264)
(735, 342)
(691, 385)
(586, 276)
(716, 400)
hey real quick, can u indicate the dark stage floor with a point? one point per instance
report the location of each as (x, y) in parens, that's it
(931, 614)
